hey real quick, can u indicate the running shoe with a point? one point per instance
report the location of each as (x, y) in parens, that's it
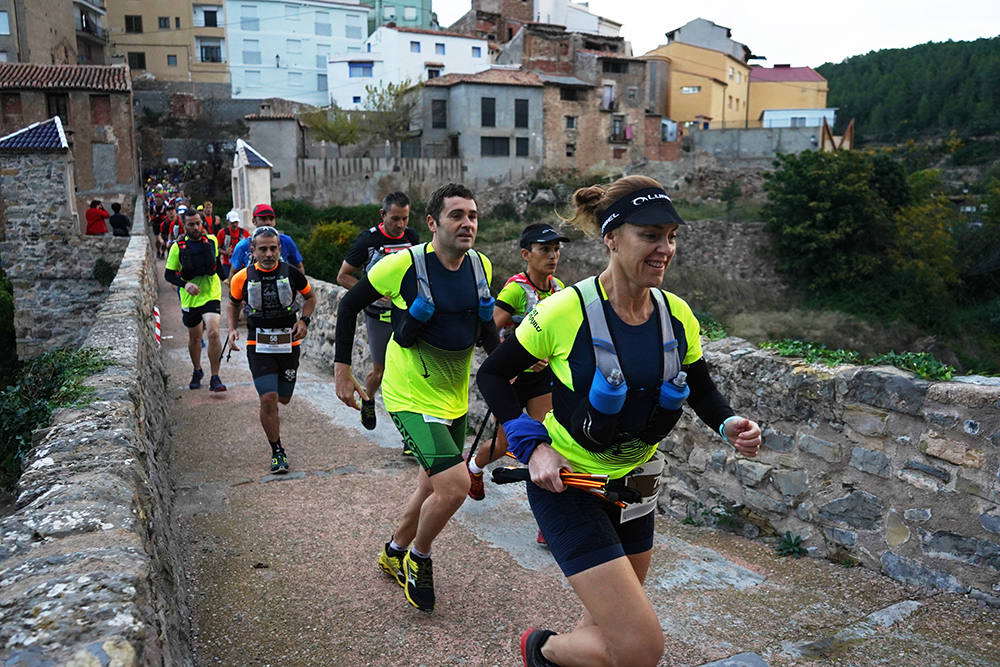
(215, 384)
(279, 462)
(531, 647)
(368, 414)
(476, 489)
(541, 538)
(419, 586)
(196, 377)
(390, 561)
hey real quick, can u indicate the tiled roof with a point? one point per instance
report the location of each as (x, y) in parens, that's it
(254, 159)
(565, 80)
(46, 135)
(494, 76)
(441, 33)
(108, 78)
(784, 73)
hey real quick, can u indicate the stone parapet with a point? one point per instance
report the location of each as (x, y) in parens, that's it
(90, 571)
(873, 463)
(319, 344)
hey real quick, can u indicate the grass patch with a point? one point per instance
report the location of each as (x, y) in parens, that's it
(921, 364)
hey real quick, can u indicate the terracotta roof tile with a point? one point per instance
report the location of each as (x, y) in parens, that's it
(108, 78)
(46, 135)
(501, 77)
(778, 73)
(442, 33)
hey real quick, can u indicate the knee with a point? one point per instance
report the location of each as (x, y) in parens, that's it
(269, 401)
(639, 650)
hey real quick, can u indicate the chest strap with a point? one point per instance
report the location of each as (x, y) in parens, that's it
(418, 253)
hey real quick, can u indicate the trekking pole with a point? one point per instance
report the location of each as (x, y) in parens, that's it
(594, 484)
(223, 353)
(479, 434)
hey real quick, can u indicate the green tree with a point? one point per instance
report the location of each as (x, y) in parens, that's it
(334, 126)
(389, 108)
(324, 251)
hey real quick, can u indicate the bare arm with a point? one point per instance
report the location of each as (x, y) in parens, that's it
(345, 277)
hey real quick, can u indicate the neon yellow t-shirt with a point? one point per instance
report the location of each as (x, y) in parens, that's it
(210, 286)
(514, 296)
(426, 378)
(549, 331)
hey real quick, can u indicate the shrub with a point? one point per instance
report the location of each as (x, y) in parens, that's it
(104, 272)
(921, 364)
(324, 251)
(711, 328)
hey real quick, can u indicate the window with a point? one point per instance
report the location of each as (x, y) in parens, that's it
(570, 150)
(137, 59)
(690, 90)
(57, 104)
(363, 70)
(248, 19)
(163, 23)
(494, 146)
(633, 94)
(292, 12)
(409, 13)
(729, 102)
(293, 45)
(388, 13)
(4, 23)
(797, 121)
(11, 103)
(251, 52)
(438, 48)
(739, 77)
(520, 113)
(209, 50)
(177, 22)
(321, 82)
(354, 49)
(614, 66)
(570, 122)
(3, 56)
(295, 79)
(488, 111)
(568, 94)
(731, 72)
(521, 147)
(477, 52)
(414, 47)
(352, 27)
(171, 60)
(439, 114)
(100, 109)
(356, 99)
(211, 18)
(433, 73)
(253, 77)
(322, 54)
(133, 23)
(323, 23)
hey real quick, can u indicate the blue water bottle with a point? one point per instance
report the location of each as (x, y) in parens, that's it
(674, 393)
(607, 395)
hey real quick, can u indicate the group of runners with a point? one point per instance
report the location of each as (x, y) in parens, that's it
(584, 382)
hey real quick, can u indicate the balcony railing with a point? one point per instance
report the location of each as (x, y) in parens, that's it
(91, 27)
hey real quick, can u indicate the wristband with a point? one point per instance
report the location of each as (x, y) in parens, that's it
(523, 435)
(306, 319)
(722, 429)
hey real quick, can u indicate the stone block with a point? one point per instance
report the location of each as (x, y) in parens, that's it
(965, 394)
(914, 573)
(871, 423)
(871, 462)
(719, 458)
(889, 389)
(824, 449)
(761, 501)
(990, 522)
(805, 511)
(971, 427)
(896, 532)
(919, 480)
(943, 420)
(963, 549)
(952, 452)
(845, 538)
(750, 473)
(857, 509)
(917, 514)
(919, 466)
(699, 459)
(791, 483)
(777, 442)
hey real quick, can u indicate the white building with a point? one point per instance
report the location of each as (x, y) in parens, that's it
(393, 54)
(797, 117)
(280, 48)
(576, 17)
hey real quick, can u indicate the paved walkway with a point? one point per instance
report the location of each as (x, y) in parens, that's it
(282, 570)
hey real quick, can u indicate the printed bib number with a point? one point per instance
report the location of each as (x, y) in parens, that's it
(274, 341)
(646, 480)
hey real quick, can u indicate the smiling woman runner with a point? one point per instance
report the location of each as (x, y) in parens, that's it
(625, 356)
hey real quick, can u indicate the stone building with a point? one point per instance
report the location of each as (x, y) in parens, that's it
(94, 103)
(54, 32)
(491, 119)
(52, 266)
(251, 181)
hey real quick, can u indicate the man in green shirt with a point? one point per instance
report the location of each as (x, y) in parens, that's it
(192, 265)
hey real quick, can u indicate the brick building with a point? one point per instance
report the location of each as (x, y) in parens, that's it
(94, 103)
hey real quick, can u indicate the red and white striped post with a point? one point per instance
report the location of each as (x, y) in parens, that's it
(156, 324)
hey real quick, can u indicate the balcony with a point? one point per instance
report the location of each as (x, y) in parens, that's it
(88, 28)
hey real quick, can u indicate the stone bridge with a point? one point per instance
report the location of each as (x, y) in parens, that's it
(868, 466)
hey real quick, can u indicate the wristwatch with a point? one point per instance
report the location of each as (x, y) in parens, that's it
(306, 319)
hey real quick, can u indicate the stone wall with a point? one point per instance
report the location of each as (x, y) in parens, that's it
(88, 570)
(755, 143)
(869, 463)
(318, 346)
(349, 181)
(50, 263)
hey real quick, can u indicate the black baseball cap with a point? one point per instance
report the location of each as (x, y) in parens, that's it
(540, 233)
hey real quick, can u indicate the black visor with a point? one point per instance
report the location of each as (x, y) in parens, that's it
(649, 206)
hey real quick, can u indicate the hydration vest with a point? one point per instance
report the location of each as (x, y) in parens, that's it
(530, 293)
(417, 252)
(267, 309)
(197, 257)
(604, 349)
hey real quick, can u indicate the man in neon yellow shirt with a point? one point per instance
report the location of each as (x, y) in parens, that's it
(192, 265)
(441, 309)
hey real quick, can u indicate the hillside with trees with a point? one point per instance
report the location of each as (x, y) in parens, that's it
(927, 90)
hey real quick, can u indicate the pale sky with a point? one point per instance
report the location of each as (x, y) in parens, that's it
(798, 33)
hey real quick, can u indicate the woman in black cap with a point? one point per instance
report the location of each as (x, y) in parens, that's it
(625, 356)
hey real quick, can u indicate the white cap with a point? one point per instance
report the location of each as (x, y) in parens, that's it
(233, 216)
(181, 210)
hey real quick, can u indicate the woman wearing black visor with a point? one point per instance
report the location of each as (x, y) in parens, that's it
(625, 355)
